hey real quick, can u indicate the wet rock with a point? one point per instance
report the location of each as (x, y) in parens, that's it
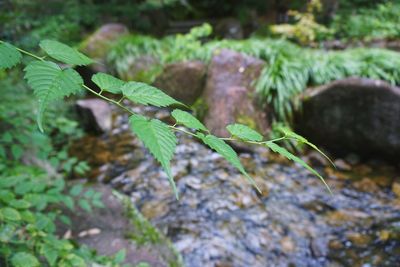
(359, 239)
(341, 217)
(154, 209)
(98, 44)
(366, 185)
(183, 81)
(396, 189)
(229, 94)
(353, 115)
(95, 115)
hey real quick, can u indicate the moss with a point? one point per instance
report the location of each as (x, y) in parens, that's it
(200, 108)
(145, 233)
(246, 120)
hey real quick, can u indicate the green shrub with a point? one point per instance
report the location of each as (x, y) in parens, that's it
(381, 21)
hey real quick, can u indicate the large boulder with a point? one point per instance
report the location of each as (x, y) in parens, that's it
(98, 44)
(183, 81)
(229, 94)
(353, 115)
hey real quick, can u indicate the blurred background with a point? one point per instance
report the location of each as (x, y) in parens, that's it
(328, 69)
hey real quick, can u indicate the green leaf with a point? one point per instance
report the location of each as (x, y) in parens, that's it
(227, 152)
(51, 83)
(89, 193)
(9, 56)
(16, 151)
(50, 253)
(76, 190)
(244, 132)
(145, 94)
(20, 204)
(108, 83)
(6, 195)
(120, 256)
(10, 214)
(69, 202)
(64, 53)
(28, 216)
(6, 232)
(159, 139)
(188, 120)
(84, 204)
(24, 259)
(287, 132)
(76, 261)
(8, 181)
(283, 151)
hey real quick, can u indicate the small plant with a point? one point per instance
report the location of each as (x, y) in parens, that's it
(29, 207)
(306, 29)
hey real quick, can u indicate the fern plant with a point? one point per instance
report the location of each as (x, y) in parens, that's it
(51, 82)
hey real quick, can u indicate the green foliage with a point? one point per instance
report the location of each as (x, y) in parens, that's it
(30, 203)
(306, 29)
(244, 132)
(9, 56)
(108, 83)
(170, 49)
(64, 53)
(380, 21)
(51, 83)
(187, 120)
(159, 139)
(23, 259)
(147, 95)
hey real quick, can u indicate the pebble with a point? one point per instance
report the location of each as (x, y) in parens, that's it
(342, 165)
(396, 189)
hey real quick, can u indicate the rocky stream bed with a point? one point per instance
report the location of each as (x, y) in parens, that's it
(220, 220)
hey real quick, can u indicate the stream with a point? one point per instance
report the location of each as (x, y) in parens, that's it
(221, 220)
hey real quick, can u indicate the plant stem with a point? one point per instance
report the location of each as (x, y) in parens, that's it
(108, 99)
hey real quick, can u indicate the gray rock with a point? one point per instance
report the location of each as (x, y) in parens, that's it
(183, 81)
(94, 115)
(98, 44)
(353, 115)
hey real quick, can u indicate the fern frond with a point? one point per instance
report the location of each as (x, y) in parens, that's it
(108, 83)
(159, 139)
(49, 83)
(188, 120)
(244, 132)
(64, 53)
(145, 94)
(227, 152)
(9, 56)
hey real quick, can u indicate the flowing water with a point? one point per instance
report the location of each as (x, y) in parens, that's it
(220, 220)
